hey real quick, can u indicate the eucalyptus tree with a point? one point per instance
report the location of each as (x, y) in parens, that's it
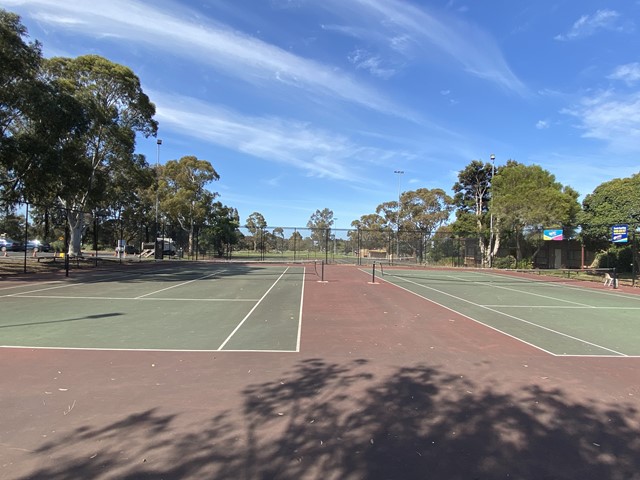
(116, 109)
(278, 235)
(40, 123)
(18, 79)
(423, 211)
(184, 198)
(371, 232)
(320, 224)
(472, 199)
(295, 241)
(220, 232)
(528, 198)
(256, 225)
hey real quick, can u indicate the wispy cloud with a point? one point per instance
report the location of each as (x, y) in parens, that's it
(234, 53)
(610, 117)
(297, 144)
(583, 172)
(542, 124)
(365, 60)
(408, 28)
(629, 73)
(587, 25)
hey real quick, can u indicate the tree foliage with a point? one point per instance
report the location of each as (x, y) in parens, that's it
(256, 225)
(220, 233)
(425, 210)
(117, 109)
(528, 198)
(320, 224)
(612, 202)
(473, 189)
(39, 121)
(472, 199)
(184, 198)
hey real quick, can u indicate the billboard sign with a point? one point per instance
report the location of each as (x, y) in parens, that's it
(555, 234)
(620, 233)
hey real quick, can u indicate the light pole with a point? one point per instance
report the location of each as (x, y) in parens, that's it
(334, 241)
(155, 233)
(399, 173)
(493, 172)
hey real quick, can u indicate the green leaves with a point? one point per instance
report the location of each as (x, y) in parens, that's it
(529, 196)
(615, 201)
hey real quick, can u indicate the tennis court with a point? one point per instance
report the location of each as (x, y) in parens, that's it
(559, 316)
(202, 307)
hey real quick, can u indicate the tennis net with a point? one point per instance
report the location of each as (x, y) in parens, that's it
(605, 276)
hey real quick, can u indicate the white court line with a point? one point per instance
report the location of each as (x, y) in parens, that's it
(66, 285)
(506, 315)
(549, 297)
(11, 287)
(570, 307)
(65, 297)
(304, 274)
(542, 282)
(179, 285)
(183, 350)
(251, 311)
(107, 277)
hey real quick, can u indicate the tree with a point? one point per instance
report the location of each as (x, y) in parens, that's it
(614, 202)
(425, 210)
(116, 109)
(371, 232)
(221, 230)
(320, 224)
(528, 198)
(472, 197)
(256, 225)
(18, 79)
(278, 235)
(39, 122)
(183, 196)
(295, 241)
(422, 212)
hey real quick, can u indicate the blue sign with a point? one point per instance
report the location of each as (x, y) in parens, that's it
(552, 234)
(620, 233)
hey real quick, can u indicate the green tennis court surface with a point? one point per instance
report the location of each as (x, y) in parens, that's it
(204, 307)
(561, 318)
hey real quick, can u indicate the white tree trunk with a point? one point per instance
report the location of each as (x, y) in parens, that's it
(76, 229)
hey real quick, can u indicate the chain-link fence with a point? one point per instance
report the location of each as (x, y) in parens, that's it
(123, 233)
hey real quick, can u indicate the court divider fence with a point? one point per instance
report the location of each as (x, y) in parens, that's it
(128, 234)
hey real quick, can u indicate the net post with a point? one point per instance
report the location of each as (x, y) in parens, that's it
(373, 280)
(614, 278)
(322, 272)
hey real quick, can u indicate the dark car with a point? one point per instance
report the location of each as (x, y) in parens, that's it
(10, 245)
(41, 246)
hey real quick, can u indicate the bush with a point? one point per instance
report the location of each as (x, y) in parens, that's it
(505, 262)
(616, 257)
(57, 246)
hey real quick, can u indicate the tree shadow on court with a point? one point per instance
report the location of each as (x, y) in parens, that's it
(325, 420)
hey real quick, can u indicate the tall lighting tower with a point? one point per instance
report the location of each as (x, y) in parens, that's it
(399, 173)
(155, 233)
(493, 172)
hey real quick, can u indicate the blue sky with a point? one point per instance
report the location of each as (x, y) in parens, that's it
(310, 104)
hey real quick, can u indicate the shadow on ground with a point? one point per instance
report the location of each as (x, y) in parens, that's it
(328, 421)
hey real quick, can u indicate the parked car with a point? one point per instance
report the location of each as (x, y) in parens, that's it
(41, 246)
(10, 245)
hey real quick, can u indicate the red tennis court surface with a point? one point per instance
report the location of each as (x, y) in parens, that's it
(385, 386)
